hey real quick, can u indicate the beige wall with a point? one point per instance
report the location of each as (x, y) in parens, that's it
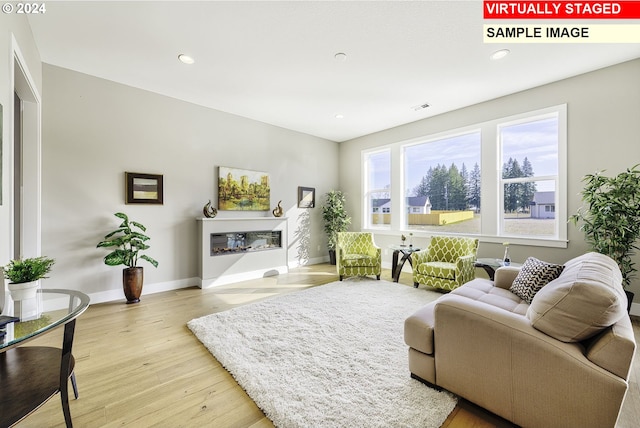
(94, 130)
(603, 109)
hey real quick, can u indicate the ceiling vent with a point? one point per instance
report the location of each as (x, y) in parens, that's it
(420, 107)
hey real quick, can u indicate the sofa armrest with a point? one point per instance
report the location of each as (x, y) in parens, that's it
(497, 360)
(505, 275)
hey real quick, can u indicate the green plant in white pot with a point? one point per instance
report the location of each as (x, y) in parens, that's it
(128, 243)
(24, 276)
(335, 218)
(610, 218)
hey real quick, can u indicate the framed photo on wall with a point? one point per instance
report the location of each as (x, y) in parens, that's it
(306, 197)
(143, 188)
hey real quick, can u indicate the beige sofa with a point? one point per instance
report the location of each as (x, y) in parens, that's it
(561, 361)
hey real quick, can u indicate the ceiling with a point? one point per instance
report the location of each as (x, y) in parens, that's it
(275, 61)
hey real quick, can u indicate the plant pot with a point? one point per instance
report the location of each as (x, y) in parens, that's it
(630, 296)
(332, 257)
(24, 290)
(132, 279)
(27, 304)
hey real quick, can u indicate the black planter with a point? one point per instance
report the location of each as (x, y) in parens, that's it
(332, 257)
(630, 296)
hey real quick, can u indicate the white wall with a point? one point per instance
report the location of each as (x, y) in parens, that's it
(603, 133)
(15, 34)
(94, 130)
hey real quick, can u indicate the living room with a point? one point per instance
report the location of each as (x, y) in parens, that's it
(93, 129)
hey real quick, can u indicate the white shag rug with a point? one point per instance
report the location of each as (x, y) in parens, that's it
(329, 356)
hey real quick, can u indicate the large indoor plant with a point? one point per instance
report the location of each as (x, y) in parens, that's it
(24, 277)
(610, 218)
(335, 219)
(128, 243)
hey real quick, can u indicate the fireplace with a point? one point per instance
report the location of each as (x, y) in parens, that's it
(243, 242)
(240, 249)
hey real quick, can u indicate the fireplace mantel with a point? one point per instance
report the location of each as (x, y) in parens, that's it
(240, 266)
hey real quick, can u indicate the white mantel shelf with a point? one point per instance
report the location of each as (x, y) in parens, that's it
(229, 268)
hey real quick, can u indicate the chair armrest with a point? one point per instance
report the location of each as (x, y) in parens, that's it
(465, 261)
(420, 257)
(505, 275)
(375, 251)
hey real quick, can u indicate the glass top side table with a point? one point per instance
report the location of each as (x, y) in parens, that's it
(396, 266)
(490, 265)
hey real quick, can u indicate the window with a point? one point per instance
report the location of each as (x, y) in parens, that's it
(529, 150)
(442, 184)
(377, 189)
(504, 178)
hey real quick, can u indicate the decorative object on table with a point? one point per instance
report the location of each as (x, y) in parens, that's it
(403, 239)
(209, 211)
(506, 260)
(278, 211)
(610, 219)
(243, 190)
(335, 219)
(362, 362)
(306, 197)
(144, 188)
(411, 239)
(24, 277)
(128, 242)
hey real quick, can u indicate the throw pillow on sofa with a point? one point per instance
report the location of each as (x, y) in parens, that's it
(534, 275)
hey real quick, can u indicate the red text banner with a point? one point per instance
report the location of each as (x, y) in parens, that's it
(561, 10)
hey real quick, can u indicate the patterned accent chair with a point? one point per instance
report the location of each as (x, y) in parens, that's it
(357, 255)
(447, 263)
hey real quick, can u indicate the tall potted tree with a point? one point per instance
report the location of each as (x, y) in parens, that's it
(128, 243)
(610, 218)
(335, 219)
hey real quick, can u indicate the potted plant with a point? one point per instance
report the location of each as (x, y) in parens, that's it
(335, 219)
(128, 243)
(610, 218)
(24, 276)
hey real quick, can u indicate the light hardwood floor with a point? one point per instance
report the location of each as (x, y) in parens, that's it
(139, 365)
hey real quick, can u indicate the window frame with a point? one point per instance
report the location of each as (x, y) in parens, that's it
(492, 186)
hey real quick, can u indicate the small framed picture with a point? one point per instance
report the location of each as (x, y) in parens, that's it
(143, 188)
(306, 197)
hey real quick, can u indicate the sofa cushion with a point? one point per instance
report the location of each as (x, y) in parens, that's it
(585, 299)
(534, 275)
(483, 290)
(358, 260)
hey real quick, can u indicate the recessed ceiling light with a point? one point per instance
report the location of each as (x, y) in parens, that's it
(186, 59)
(500, 54)
(339, 116)
(341, 57)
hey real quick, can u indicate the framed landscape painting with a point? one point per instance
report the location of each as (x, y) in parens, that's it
(143, 188)
(243, 190)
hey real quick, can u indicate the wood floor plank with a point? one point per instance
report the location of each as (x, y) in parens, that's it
(139, 365)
